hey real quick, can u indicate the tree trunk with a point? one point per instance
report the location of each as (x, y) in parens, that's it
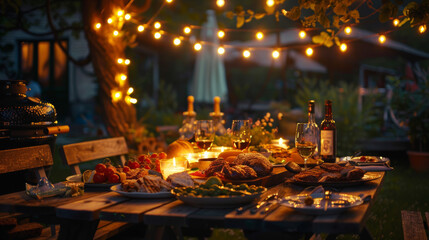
(119, 116)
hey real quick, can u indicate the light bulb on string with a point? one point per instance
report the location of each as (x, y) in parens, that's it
(343, 47)
(382, 39)
(127, 61)
(177, 41)
(97, 25)
(422, 28)
(169, 1)
(116, 95)
(123, 77)
(187, 30)
(221, 50)
(270, 3)
(140, 28)
(259, 35)
(302, 34)
(127, 16)
(395, 22)
(109, 21)
(133, 100)
(157, 35)
(120, 60)
(246, 53)
(130, 90)
(115, 33)
(220, 3)
(275, 54)
(120, 13)
(348, 30)
(198, 46)
(309, 51)
(220, 34)
(157, 25)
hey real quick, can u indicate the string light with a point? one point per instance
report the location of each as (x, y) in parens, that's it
(120, 13)
(115, 33)
(109, 21)
(382, 39)
(348, 30)
(187, 30)
(197, 46)
(246, 53)
(177, 41)
(220, 3)
(220, 34)
(157, 35)
(309, 51)
(221, 50)
(123, 77)
(343, 47)
(395, 22)
(275, 54)
(270, 3)
(127, 61)
(157, 25)
(422, 28)
(120, 60)
(127, 16)
(130, 90)
(302, 34)
(133, 100)
(116, 96)
(97, 25)
(259, 35)
(140, 28)
(169, 1)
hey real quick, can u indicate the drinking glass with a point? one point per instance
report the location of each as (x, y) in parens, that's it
(241, 135)
(305, 140)
(204, 134)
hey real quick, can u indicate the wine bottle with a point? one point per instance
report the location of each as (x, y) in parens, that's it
(328, 135)
(314, 126)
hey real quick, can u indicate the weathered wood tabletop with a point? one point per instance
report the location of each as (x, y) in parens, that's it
(168, 211)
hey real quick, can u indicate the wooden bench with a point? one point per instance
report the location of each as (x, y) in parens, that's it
(413, 225)
(35, 159)
(77, 153)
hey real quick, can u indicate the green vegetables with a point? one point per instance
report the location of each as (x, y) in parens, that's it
(215, 190)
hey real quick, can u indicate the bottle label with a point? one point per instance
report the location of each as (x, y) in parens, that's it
(327, 142)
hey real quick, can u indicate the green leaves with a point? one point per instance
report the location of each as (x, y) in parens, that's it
(388, 10)
(323, 39)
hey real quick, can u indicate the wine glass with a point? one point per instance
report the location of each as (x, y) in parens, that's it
(204, 134)
(305, 140)
(241, 135)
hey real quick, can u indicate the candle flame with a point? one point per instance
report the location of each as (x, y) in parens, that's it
(222, 149)
(174, 161)
(281, 141)
(205, 154)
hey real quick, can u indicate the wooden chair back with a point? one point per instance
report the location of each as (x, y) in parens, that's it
(76, 153)
(34, 158)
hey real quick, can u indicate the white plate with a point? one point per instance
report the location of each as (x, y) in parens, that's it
(317, 208)
(78, 178)
(217, 202)
(356, 160)
(118, 189)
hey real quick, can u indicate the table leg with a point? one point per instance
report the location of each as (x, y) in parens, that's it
(77, 229)
(154, 232)
(365, 234)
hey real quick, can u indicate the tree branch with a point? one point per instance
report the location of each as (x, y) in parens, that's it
(54, 31)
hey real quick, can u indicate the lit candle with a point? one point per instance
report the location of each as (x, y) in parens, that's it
(280, 142)
(169, 166)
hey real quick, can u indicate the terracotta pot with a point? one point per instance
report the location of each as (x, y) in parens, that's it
(419, 161)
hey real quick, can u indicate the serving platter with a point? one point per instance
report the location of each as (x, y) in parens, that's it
(118, 189)
(217, 202)
(369, 176)
(368, 160)
(338, 202)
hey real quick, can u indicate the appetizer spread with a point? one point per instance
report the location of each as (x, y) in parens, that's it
(330, 172)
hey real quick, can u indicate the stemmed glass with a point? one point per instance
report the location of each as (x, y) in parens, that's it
(241, 135)
(305, 140)
(204, 134)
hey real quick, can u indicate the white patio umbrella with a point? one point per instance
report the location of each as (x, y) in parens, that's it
(209, 73)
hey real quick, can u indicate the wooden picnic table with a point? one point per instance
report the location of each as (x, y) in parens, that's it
(79, 216)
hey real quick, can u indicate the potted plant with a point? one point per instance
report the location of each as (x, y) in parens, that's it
(410, 102)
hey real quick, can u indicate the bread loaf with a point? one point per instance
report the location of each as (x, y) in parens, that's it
(178, 148)
(232, 153)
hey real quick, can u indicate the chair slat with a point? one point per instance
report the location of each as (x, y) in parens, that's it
(13, 160)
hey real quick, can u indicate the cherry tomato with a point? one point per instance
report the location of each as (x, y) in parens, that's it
(162, 155)
(99, 178)
(114, 178)
(147, 160)
(154, 155)
(126, 169)
(147, 166)
(142, 157)
(133, 165)
(110, 170)
(100, 168)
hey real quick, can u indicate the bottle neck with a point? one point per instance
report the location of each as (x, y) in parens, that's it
(311, 117)
(328, 112)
